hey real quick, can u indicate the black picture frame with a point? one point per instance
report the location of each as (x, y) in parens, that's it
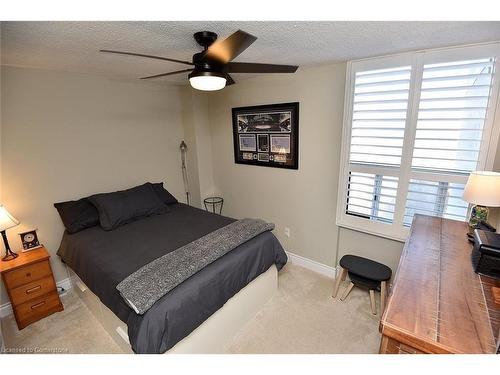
(31, 244)
(267, 135)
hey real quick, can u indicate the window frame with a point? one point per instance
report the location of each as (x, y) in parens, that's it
(417, 59)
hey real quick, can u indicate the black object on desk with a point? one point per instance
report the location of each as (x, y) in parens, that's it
(214, 202)
(486, 253)
(483, 225)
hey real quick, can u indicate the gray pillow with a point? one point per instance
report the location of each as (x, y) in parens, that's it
(121, 207)
(77, 215)
(163, 193)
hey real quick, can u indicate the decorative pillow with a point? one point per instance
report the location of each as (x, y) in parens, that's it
(77, 215)
(163, 194)
(121, 207)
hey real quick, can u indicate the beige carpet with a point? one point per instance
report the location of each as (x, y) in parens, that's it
(301, 318)
(74, 330)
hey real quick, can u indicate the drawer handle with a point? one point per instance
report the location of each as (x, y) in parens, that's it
(39, 304)
(34, 289)
(28, 274)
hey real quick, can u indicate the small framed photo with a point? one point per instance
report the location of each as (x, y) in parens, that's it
(280, 158)
(247, 156)
(247, 142)
(263, 157)
(280, 144)
(263, 142)
(30, 240)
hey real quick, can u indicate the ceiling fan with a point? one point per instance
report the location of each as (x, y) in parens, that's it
(211, 67)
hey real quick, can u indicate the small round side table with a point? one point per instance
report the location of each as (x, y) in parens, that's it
(214, 202)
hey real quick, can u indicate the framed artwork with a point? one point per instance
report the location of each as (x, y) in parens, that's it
(267, 135)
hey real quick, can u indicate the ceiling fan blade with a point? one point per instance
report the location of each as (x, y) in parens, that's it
(168, 74)
(225, 50)
(147, 56)
(229, 80)
(242, 67)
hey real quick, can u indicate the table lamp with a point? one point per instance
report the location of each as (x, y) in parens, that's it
(7, 221)
(483, 191)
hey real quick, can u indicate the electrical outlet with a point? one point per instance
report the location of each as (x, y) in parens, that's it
(287, 232)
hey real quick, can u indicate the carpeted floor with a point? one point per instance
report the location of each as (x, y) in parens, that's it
(74, 330)
(301, 318)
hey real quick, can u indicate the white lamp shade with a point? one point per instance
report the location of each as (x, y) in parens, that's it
(483, 188)
(6, 220)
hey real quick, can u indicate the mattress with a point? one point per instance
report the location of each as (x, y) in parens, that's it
(104, 258)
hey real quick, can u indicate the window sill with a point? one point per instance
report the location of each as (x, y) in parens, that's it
(400, 237)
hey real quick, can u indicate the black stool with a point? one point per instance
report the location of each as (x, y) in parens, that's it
(364, 273)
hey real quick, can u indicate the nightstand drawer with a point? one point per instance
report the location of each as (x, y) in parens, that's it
(27, 274)
(37, 309)
(32, 290)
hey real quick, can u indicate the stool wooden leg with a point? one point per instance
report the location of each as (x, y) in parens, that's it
(341, 277)
(383, 296)
(372, 302)
(347, 291)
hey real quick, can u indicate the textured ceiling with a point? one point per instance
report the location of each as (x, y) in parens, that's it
(73, 46)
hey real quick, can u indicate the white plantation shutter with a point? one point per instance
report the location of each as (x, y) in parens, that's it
(443, 199)
(415, 126)
(372, 196)
(451, 118)
(377, 134)
(451, 115)
(379, 115)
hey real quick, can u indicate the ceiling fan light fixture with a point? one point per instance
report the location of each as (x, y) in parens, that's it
(207, 80)
(211, 68)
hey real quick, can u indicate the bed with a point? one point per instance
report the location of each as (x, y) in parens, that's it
(227, 290)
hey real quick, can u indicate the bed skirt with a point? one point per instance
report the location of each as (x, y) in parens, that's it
(213, 335)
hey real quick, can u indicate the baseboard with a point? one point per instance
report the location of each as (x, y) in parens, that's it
(312, 265)
(6, 308)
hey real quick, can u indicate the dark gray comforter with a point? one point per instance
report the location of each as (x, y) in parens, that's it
(102, 259)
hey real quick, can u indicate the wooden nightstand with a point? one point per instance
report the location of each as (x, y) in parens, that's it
(31, 286)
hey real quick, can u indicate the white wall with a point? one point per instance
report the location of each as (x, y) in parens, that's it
(198, 138)
(66, 136)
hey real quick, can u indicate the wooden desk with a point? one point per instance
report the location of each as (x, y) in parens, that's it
(437, 303)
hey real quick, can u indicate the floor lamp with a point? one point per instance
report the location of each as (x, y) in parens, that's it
(184, 148)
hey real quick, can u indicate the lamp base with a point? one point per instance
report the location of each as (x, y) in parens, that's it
(9, 256)
(479, 214)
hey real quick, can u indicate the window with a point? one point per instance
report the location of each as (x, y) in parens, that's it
(415, 126)
(371, 196)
